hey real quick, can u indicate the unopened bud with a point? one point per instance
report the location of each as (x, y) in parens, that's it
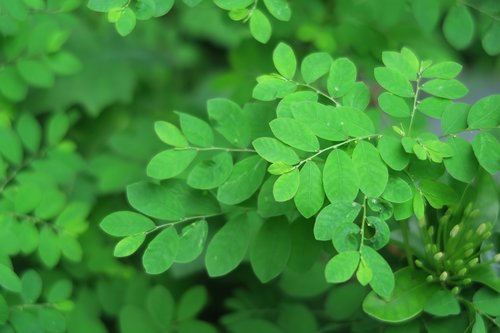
(428, 247)
(444, 276)
(454, 231)
(430, 231)
(462, 271)
(429, 278)
(468, 246)
(455, 290)
(419, 264)
(438, 256)
(434, 248)
(481, 229)
(467, 281)
(468, 209)
(474, 213)
(473, 262)
(468, 253)
(459, 262)
(468, 234)
(496, 258)
(487, 235)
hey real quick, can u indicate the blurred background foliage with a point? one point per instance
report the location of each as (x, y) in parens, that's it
(77, 107)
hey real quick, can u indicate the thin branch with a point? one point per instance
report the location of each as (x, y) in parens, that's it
(242, 150)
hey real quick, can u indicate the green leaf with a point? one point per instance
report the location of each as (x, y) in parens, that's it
(297, 318)
(286, 186)
(454, 118)
(294, 134)
(491, 39)
(9, 279)
(260, 27)
(451, 89)
(332, 216)
(195, 326)
(126, 23)
(346, 237)
(397, 62)
(485, 113)
(192, 241)
(279, 9)
(394, 105)
(155, 200)
(170, 163)
(196, 131)
(487, 150)
(48, 247)
(228, 247)
(161, 251)
(279, 168)
(284, 59)
(382, 282)
(479, 324)
(266, 205)
(244, 181)
(233, 4)
(274, 151)
(60, 291)
(32, 286)
(324, 121)
(36, 72)
(191, 303)
(4, 311)
(271, 249)
(443, 70)
(341, 267)
(162, 7)
(284, 109)
(271, 87)
(129, 245)
(458, 27)
(358, 97)
(463, 164)
(25, 322)
(12, 85)
(170, 134)
(65, 63)
(340, 179)
(381, 236)
(315, 65)
(442, 303)
(438, 194)
(342, 77)
(52, 320)
(57, 128)
(393, 81)
(433, 106)
(372, 172)
(10, 146)
(418, 205)
(29, 132)
(211, 173)
(392, 153)
(230, 121)
(427, 13)
(351, 294)
(161, 307)
(364, 274)
(310, 195)
(124, 223)
(410, 295)
(487, 301)
(397, 190)
(105, 5)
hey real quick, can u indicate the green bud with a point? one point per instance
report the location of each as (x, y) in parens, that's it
(468, 246)
(481, 229)
(467, 281)
(487, 235)
(430, 231)
(429, 278)
(434, 248)
(438, 256)
(455, 290)
(468, 234)
(419, 264)
(462, 271)
(496, 258)
(444, 276)
(468, 253)
(459, 263)
(428, 247)
(473, 262)
(474, 213)
(468, 209)
(454, 231)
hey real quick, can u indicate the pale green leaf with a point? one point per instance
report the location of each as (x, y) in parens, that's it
(397, 190)
(29, 132)
(485, 113)
(9, 279)
(274, 151)
(126, 22)
(170, 134)
(315, 65)
(372, 172)
(340, 179)
(170, 163)
(487, 150)
(397, 62)
(211, 173)
(279, 9)
(454, 118)
(125, 223)
(230, 121)
(341, 267)
(128, 245)
(443, 70)
(294, 134)
(260, 27)
(324, 121)
(462, 165)
(392, 153)
(192, 241)
(310, 195)
(394, 105)
(161, 251)
(233, 4)
(393, 81)
(284, 59)
(450, 89)
(286, 186)
(332, 216)
(36, 72)
(358, 97)
(196, 131)
(341, 77)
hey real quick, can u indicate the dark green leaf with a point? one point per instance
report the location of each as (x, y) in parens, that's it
(458, 26)
(161, 251)
(332, 216)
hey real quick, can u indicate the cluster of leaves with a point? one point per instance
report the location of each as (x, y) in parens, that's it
(41, 213)
(34, 58)
(125, 13)
(320, 145)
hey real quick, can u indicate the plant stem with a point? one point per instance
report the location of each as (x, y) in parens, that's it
(337, 103)
(242, 150)
(335, 146)
(363, 219)
(415, 99)
(406, 239)
(186, 219)
(468, 130)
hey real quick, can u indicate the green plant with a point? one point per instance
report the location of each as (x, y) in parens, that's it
(323, 143)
